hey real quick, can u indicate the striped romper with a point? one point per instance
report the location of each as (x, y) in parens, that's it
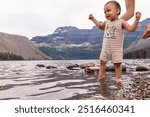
(112, 48)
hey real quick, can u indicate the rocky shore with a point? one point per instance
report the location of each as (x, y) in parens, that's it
(138, 87)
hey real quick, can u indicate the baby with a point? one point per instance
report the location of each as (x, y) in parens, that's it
(112, 48)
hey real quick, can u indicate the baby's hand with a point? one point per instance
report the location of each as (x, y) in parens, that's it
(138, 15)
(91, 16)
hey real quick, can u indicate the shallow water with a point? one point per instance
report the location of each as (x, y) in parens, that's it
(23, 80)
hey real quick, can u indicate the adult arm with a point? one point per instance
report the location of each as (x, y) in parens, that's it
(130, 7)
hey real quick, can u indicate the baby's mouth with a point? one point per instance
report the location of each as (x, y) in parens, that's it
(107, 17)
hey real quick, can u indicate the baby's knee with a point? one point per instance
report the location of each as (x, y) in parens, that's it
(103, 66)
(117, 65)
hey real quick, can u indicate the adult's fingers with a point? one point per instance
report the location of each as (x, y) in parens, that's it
(146, 35)
(146, 32)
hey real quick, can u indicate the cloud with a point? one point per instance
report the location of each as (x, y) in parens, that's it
(41, 17)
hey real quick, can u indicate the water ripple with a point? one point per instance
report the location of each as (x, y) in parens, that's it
(22, 80)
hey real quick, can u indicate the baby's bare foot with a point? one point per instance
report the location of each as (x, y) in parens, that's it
(118, 81)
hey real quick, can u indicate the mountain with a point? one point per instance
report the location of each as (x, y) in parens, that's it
(71, 35)
(18, 47)
(69, 42)
(138, 51)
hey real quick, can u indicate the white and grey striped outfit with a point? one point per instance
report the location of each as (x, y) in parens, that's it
(112, 48)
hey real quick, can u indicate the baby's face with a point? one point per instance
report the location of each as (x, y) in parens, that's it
(111, 12)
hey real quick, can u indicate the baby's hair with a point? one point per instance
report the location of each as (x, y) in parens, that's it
(116, 4)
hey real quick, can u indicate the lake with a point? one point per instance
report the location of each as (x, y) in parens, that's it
(22, 80)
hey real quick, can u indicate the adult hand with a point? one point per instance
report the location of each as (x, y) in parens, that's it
(146, 32)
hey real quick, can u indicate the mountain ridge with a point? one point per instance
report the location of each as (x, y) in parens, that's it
(20, 46)
(73, 35)
(68, 35)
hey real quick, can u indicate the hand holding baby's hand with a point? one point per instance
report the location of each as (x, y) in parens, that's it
(138, 15)
(91, 16)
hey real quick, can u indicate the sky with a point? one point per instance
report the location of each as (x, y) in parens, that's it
(32, 18)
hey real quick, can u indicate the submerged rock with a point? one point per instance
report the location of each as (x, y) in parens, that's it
(77, 67)
(95, 70)
(142, 68)
(111, 67)
(92, 70)
(40, 65)
(50, 67)
(85, 65)
(73, 67)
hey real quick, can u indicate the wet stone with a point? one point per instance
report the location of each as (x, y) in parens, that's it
(142, 68)
(72, 66)
(50, 67)
(110, 67)
(86, 65)
(40, 65)
(92, 70)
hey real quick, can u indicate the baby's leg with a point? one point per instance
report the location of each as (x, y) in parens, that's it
(102, 69)
(118, 70)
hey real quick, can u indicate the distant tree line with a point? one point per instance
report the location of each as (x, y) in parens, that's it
(10, 56)
(72, 53)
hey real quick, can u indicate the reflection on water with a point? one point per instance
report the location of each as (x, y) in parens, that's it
(22, 80)
(104, 88)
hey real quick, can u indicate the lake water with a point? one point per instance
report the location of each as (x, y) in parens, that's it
(22, 80)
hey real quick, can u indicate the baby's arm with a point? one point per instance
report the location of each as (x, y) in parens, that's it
(99, 24)
(133, 27)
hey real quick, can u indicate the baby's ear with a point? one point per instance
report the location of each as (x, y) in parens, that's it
(118, 11)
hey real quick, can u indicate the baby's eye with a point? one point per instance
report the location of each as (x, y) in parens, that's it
(106, 11)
